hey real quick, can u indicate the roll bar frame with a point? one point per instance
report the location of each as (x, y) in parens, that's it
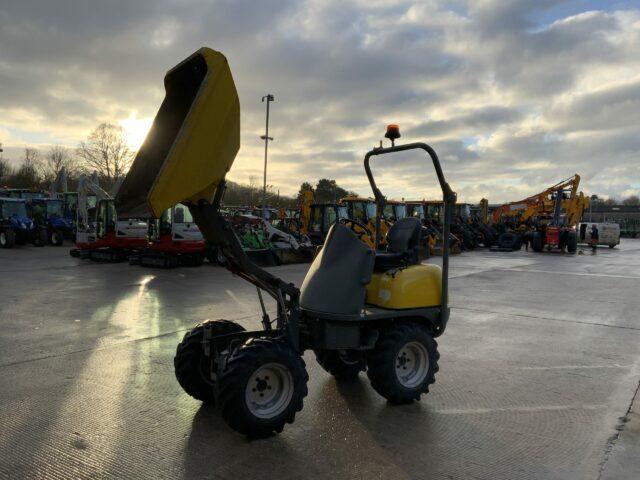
(448, 197)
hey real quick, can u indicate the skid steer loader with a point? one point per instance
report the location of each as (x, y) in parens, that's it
(357, 309)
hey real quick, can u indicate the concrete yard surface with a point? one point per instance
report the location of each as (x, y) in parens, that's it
(539, 368)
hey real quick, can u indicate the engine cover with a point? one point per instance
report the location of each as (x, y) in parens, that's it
(416, 286)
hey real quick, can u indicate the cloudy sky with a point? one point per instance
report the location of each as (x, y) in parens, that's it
(514, 95)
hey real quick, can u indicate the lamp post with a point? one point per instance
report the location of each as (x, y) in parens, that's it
(269, 98)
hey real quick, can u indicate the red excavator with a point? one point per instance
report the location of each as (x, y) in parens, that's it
(174, 239)
(100, 236)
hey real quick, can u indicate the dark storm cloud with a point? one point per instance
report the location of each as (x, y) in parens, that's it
(510, 102)
(482, 119)
(609, 109)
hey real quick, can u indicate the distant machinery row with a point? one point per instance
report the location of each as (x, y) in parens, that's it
(547, 220)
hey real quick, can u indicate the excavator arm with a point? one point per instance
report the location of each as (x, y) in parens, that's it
(544, 203)
(87, 185)
(59, 184)
(305, 211)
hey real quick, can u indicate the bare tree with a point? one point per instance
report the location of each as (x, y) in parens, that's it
(106, 151)
(253, 182)
(27, 175)
(56, 159)
(631, 200)
(31, 157)
(5, 170)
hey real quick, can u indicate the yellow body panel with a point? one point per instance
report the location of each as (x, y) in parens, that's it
(192, 143)
(416, 286)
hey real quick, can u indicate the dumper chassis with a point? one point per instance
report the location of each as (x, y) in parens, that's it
(212, 359)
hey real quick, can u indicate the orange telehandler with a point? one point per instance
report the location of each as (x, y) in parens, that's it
(552, 215)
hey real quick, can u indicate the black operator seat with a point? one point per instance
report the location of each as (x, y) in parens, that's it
(336, 281)
(403, 241)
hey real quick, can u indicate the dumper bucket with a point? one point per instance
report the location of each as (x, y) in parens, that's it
(192, 142)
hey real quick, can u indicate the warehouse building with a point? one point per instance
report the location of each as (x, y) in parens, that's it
(627, 216)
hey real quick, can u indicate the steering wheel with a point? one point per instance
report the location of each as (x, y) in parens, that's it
(352, 224)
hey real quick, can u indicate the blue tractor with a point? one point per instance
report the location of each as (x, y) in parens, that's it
(15, 226)
(27, 194)
(52, 224)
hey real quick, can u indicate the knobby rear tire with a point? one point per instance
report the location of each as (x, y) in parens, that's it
(192, 368)
(340, 365)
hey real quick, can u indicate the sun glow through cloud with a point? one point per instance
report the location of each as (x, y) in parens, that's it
(135, 129)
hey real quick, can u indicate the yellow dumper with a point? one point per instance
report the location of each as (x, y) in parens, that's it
(358, 309)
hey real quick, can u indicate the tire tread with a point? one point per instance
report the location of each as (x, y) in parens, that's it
(232, 383)
(331, 362)
(383, 378)
(189, 355)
